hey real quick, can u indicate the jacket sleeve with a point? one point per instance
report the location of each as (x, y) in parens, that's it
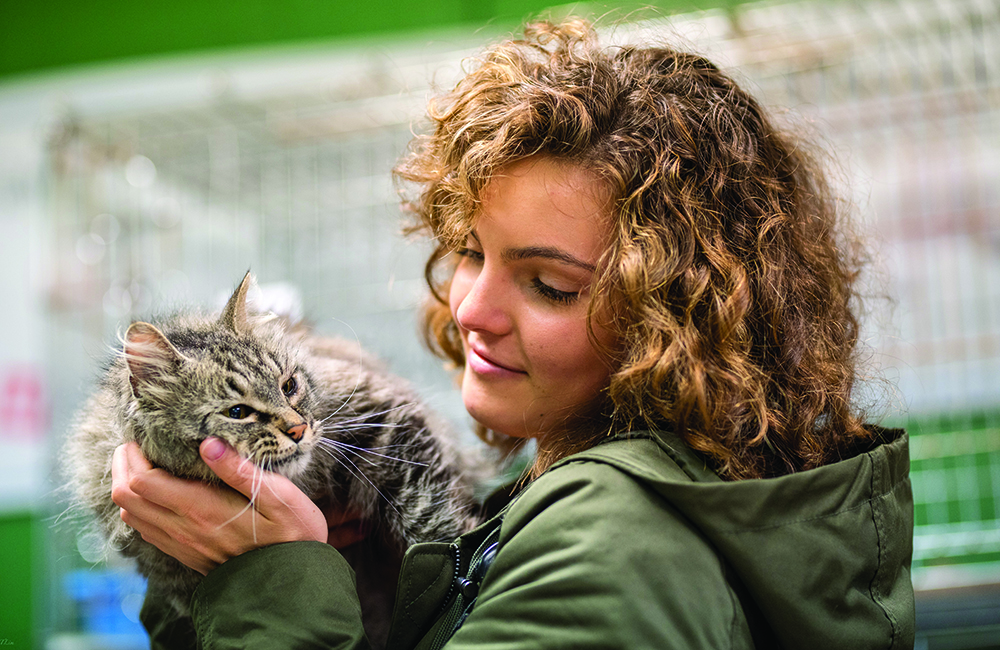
(591, 558)
(296, 595)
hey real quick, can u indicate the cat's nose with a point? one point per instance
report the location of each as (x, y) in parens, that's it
(296, 432)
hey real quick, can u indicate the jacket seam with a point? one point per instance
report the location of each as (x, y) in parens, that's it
(734, 601)
(876, 524)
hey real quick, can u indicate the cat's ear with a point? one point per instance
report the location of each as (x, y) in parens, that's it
(152, 359)
(234, 315)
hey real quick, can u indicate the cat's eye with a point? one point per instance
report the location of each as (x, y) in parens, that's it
(289, 387)
(240, 412)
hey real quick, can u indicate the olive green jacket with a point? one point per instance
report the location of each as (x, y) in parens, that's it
(632, 544)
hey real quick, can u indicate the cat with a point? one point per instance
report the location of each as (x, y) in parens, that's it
(311, 408)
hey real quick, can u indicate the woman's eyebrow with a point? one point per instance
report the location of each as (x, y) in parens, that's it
(545, 252)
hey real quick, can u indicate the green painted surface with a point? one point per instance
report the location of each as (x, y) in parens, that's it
(56, 33)
(18, 557)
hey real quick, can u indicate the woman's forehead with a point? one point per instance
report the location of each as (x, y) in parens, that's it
(542, 205)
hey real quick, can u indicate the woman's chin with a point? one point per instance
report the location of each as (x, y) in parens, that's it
(496, 415)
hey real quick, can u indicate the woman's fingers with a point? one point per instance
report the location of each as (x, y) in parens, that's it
(159, 497)
(200, 525)
(177, 549)
(203, 525)
(171, 513)
(282, 506)
(131, 478)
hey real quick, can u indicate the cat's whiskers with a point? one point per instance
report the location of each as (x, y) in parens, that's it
(361, 369)
(358, 457)
(239, 514)
(254, 492)
(368, 425)
(256, 483)
(329, 452)
(365, 416)
(357, 472)
(405, 447)
(327, 442)
(278, 496)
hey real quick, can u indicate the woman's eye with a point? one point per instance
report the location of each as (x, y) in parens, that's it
(290, 387)
(552, 294)
(470, 253)
(240, 412)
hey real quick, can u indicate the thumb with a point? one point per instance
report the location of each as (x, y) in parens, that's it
(247, 478)
(234, 470)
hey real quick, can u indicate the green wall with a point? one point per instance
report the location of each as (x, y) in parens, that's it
(20, 556)
(38, 35)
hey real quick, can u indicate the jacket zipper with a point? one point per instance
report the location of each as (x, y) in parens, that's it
(464, 602)
(451, 616)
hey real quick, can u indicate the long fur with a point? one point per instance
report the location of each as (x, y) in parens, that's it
(369, 444)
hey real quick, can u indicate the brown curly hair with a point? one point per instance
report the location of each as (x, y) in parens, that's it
(729, 286)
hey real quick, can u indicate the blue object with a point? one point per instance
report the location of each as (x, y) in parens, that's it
(108, 600)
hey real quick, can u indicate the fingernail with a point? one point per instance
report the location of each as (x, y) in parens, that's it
(213, 448)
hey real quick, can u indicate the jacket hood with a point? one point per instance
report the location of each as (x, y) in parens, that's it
(824, 553)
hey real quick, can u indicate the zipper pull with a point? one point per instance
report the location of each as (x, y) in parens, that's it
(467, 588)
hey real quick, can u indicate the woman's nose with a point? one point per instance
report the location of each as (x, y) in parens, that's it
(483, 305)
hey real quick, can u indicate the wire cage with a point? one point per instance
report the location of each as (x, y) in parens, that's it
(910, 91)
(172, 204)
(907, 94)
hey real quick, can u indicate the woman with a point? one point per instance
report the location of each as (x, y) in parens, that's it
(639, 272)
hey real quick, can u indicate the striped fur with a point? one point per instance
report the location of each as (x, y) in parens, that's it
(364, 439)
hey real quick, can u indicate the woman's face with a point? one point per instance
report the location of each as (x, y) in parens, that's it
(520, 294)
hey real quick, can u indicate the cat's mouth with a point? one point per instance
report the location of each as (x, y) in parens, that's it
(273, 462)
(289, 465)
(278, 455)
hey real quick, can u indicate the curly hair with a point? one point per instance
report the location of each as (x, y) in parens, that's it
(729, 285)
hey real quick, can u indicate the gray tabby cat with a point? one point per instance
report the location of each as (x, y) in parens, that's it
(293, 403)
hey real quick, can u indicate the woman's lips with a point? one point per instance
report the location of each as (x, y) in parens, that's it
(484, 365)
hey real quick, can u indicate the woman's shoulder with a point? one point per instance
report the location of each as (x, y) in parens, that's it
(593, 557)
(607, 501)
(644, 514)
(616, 473)
(654, 476)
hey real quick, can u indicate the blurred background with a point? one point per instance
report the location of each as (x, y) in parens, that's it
(151, 154)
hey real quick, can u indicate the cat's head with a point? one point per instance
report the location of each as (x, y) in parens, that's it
(237, 377)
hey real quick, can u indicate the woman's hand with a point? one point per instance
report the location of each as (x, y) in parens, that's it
(203, 525)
